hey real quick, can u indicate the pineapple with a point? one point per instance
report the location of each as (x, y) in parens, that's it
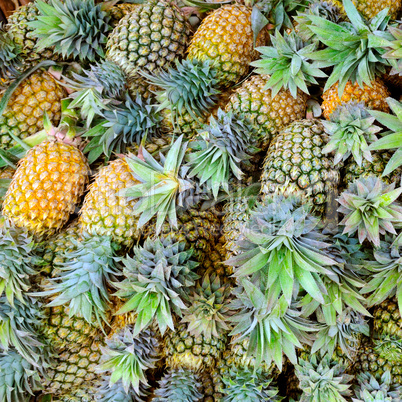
(374, 96)
(357, 55)
(46, 187)
(105, 212)
(36, 95)
(226, 38)
(218, 57)
(267, 113)
(387, 318)
(148, 39)
(369, 9)
(118, 11)
(295, 164)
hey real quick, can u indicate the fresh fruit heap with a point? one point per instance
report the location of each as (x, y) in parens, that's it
(201, 201)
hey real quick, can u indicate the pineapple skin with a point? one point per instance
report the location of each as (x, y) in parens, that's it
(22, 35)
(370, 8)
(46, 187)
(387, 318)
(23, 116)
(374, 97)
(294, 164)
(225, 37)
(149, 38)
(104, 211)
(352, 171)
(269, 115)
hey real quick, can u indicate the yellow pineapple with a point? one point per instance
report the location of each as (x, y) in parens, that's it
(46, 187)
(374, 96)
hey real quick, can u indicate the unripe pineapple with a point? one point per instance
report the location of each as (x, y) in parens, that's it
(22, 35)
(374, 96)
(295, 164)
(148, 39)
(105, 212)
(46, 187)
(387, 318)
(269, 115)
(23, 116)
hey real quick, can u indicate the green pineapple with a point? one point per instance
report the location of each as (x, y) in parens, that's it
(295, 165)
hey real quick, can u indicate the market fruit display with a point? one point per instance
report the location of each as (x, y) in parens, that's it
(201, 201)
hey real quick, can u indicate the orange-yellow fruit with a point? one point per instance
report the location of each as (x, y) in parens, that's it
(225, 37)
(374, 96)
(46, 187)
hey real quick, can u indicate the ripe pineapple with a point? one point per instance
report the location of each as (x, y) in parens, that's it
(226, 38)
(46, 187)
(374, 97)
(295, 164)
(23, 116)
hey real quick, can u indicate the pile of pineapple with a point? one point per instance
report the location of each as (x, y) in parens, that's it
(200, 201)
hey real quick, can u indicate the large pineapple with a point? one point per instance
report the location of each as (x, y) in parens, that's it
(36, 95)
(46, 187)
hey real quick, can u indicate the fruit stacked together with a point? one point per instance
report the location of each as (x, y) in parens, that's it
(201, 201)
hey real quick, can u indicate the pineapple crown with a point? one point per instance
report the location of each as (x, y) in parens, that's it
(343, 334)
(94, 89)
(179, 385)
(128, 356)
(17, 259)
(116, 392)
(208, 313)
(190, 87)
(75, 28)
(130, 122)
(19, 326)
(389, 348)
(285, 247)
(288, 64)
(156, 281)
(370, 208)
(318, 8)
(245, 385)
(322, 379)
(351, 129)
(394, 49)
(354, 48)
(393, 138)
(86, 271)
(385, 269)
(163, 186)
(272, 326)
(10, 60)
(219, 149)
(18, 378)
(371, 390)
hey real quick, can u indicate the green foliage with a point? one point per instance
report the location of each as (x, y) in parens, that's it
(75, 28)
(156, 281)
(288, 64)
(370, 208)
(84, 275)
